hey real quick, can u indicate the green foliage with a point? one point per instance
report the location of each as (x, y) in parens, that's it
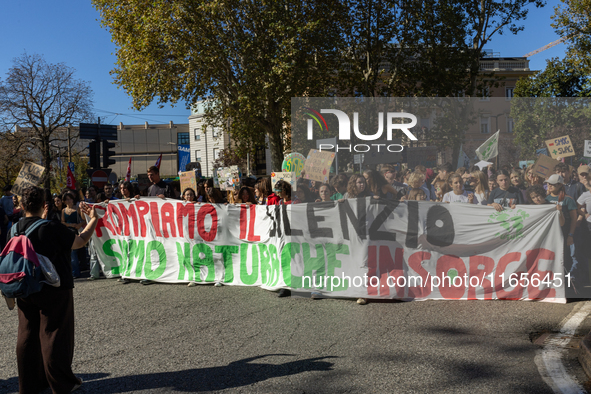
(543, 107)
(42, 98)
(252, 57)
(572, 20)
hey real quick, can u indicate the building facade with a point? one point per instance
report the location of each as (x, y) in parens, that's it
(206, 142)
(144, 143)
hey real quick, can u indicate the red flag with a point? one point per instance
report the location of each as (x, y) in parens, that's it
(128, 175)
(158, 161)
(70, 180)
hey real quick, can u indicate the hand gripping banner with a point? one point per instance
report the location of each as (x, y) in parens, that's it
(353, 248)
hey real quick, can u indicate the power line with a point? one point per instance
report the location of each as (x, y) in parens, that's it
(122, 114)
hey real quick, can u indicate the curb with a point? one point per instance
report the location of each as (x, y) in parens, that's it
(585, 354)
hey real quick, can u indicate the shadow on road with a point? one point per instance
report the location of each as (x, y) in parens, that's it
(236, 374)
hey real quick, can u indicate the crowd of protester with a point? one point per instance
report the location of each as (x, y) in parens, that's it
(503, 188)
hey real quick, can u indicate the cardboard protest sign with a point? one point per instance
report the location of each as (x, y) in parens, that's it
(317, 166)
(422, 250)
(188, 179)
(288, 177)
(229, 177)
(29, 175)
(293, 162)
(560, 147)
(544, 166)
(587, 152)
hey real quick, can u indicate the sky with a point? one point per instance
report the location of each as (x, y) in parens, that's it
(68, 31)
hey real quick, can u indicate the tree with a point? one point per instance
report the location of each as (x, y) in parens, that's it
(545, 106)
(41, 99)
(251, 56)
(572, 21)
(15, 150)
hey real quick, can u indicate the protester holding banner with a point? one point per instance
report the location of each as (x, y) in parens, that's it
(378, 185)
(325, 193)
(458, 194)
(357, 187)
(389, 173)
(247, 195)
(283, 190)
(504, 196)
(339, 183)
(159, 188)
(557, 195)
(537, 195)
(440, 187)
(518, 182)
(213, 195)
(480, 186)
(45, 343)
(189, 195)
(259, 193)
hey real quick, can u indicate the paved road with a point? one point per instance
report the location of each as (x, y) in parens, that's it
(174, 338)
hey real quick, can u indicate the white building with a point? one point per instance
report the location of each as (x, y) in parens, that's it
(206, 143)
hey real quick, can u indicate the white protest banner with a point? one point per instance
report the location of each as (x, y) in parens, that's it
(587, 152)
(560, 147)
(289, 177)
(490, 148)
(354, 248)
(317, 166)
(29, 175)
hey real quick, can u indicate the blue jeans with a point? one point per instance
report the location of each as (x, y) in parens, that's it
(75, 264)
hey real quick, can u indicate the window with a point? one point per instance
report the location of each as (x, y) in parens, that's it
(216, 153)
(197, 155)
(197, 134)
(485, 124)
(509, 93)
(183, 138)
(216, 132)
(485, 94)
(509, 125)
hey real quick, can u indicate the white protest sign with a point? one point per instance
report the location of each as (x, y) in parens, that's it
(587, 152)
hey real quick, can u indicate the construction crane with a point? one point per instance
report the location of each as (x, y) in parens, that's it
(553, 43)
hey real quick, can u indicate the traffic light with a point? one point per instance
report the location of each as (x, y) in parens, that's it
(94, 157)
(107, 153)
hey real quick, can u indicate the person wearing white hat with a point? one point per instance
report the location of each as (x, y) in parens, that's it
(557, 195)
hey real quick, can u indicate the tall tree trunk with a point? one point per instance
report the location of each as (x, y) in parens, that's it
(46, 183)
(276, 147)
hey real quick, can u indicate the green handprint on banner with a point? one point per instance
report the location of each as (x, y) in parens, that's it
(511, 221)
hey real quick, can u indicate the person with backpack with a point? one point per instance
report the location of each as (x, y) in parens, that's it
(45, 342)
